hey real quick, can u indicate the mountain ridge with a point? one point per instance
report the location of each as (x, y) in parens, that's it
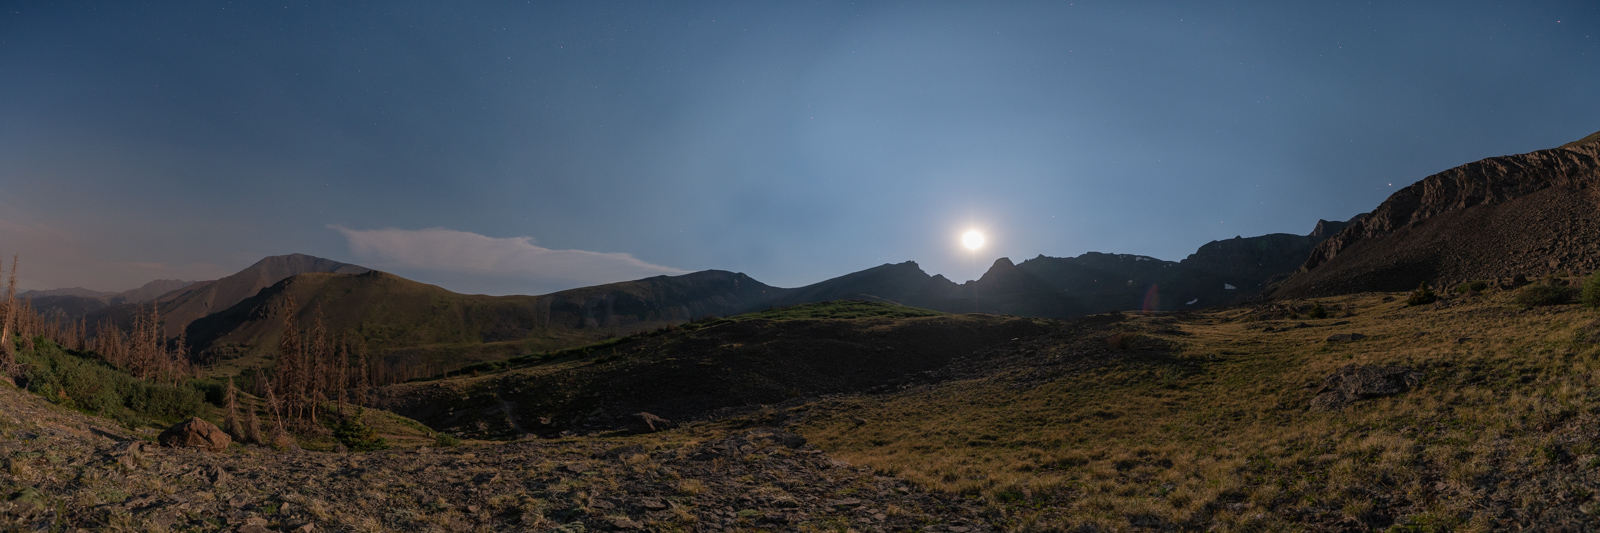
(1531, 214)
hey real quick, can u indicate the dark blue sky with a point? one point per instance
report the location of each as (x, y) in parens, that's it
(528, 147)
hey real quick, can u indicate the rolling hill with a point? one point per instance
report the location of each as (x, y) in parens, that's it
(207, 297)
(415, 325)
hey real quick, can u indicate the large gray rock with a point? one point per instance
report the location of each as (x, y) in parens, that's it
(195, 433)
(1359, 382)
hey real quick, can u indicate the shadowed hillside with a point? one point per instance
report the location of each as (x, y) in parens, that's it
(689, 372)
(1532, 214)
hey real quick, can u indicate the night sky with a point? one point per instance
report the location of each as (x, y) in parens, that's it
(530, 147)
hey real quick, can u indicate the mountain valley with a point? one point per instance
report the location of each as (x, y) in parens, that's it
(1428, 366)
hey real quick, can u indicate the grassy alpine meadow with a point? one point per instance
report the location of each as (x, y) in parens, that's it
(1204, 421)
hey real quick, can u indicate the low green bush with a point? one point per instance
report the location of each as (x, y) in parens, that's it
(1475, 285)
(1542, 294)
(1591, 290)
(84, 381)
(357, 436)
(1423, 295)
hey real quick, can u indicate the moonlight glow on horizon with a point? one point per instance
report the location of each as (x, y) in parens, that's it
(972, 240)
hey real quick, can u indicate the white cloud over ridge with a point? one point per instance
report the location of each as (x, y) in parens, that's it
(465, 254)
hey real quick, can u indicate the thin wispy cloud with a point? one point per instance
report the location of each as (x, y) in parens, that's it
(466, 254)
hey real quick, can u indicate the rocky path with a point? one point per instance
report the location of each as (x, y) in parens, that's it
(65, 471)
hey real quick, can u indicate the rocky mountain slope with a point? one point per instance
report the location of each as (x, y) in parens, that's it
(1531, 214)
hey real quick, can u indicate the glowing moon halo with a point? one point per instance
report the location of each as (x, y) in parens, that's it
(972, 240)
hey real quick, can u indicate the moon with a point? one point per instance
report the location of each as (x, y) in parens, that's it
(972, 239)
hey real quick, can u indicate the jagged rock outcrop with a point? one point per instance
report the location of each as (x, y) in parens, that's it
(1329, 228)
(1533, 214)
(1251, 263)
(195, 433)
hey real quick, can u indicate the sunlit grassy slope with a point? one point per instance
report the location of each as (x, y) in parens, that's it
(1202, 422)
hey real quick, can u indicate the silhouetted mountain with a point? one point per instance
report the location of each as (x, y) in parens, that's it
(1532, 214)
(150, 291)
(903, 283)
(411, 323)
(71, 291)
(77, 302)
(1220, 272)
(67, 308)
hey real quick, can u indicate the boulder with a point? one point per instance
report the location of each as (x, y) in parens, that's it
(1345, 337)
(195, 433)
(647, 423)
(1359, 382)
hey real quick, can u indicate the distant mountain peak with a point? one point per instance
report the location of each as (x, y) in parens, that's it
(204, 298)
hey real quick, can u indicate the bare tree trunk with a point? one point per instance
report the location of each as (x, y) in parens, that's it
(234, 425)
(8, 356)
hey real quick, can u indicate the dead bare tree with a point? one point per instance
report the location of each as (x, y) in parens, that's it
(8, 356)
(232, 422)
(252, 427)
(290, 349)
(280, 436)
(318, 359)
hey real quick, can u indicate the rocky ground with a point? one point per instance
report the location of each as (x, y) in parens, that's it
(65, 471)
